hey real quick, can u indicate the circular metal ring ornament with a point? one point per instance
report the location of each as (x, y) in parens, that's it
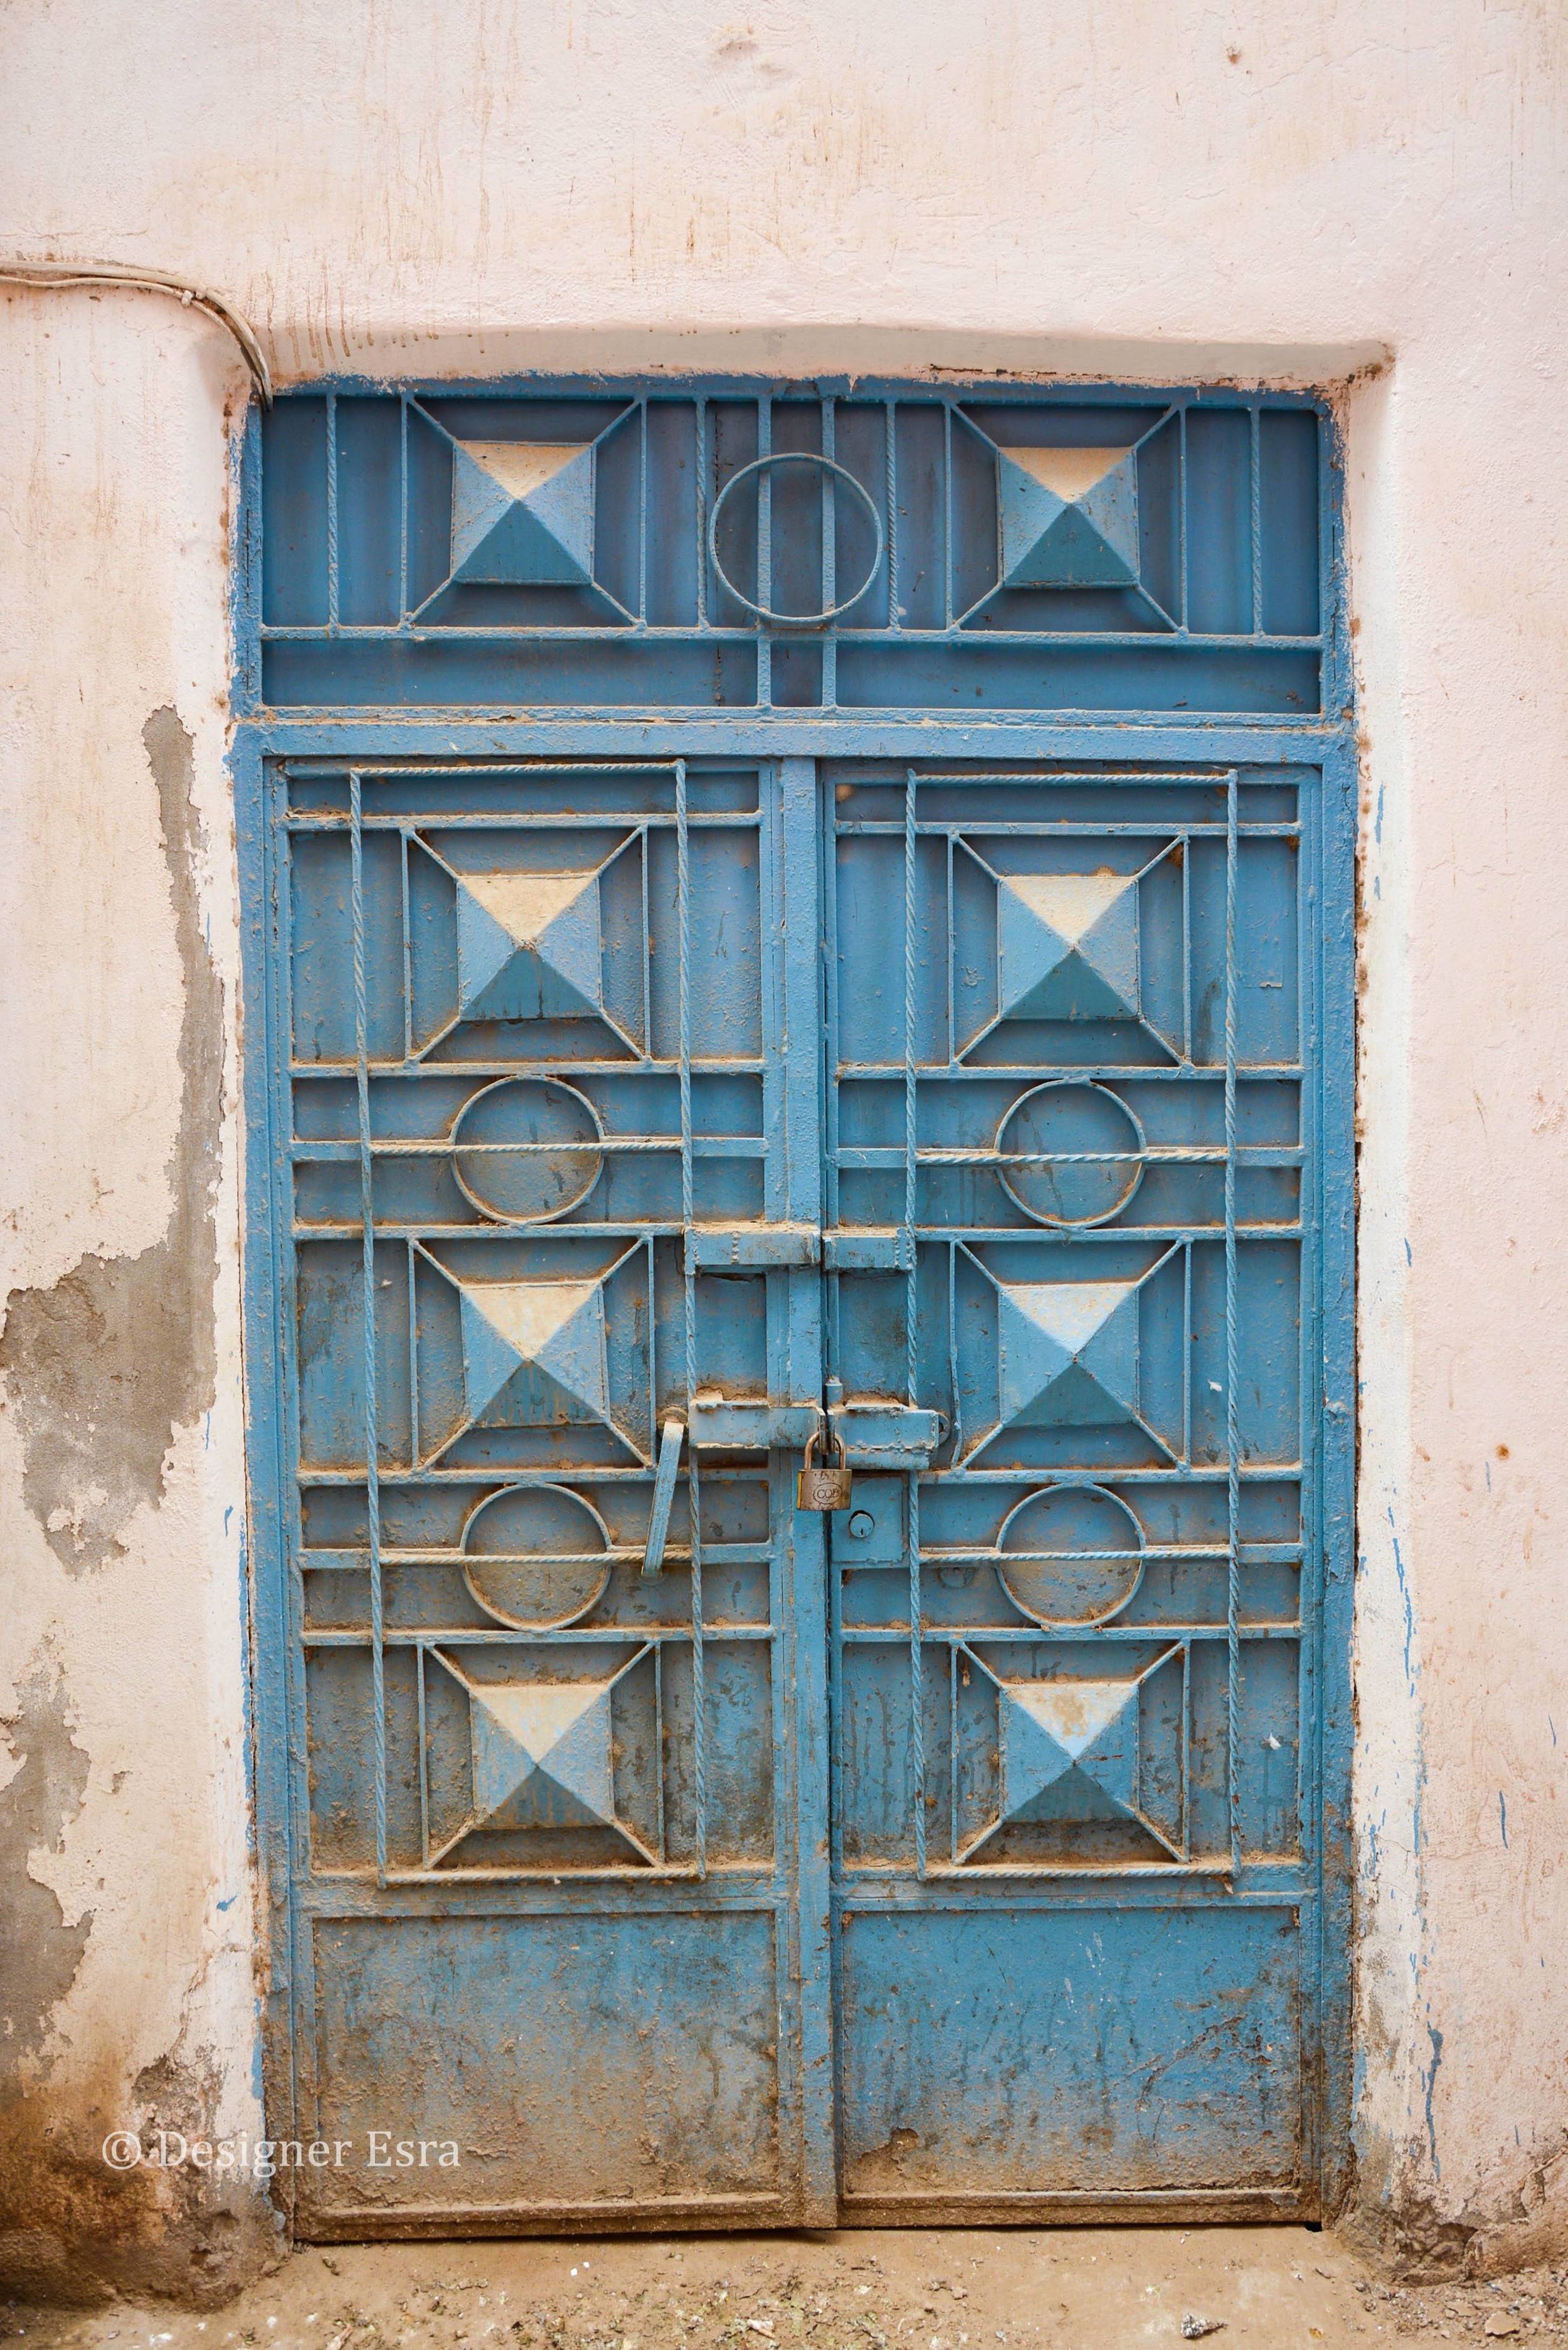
(838, 473)
(1069, 1181)
(1075, 1580)
(549, 1578)
(549, 1175)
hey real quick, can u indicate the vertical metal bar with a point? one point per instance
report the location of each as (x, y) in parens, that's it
(652, 1354)
(952, 1753)
(424, 1762)
(910, 1120)
(802, 1577)
(1187, 1353)
(764, 550)
(1232, 1346)
(332, 513)
(402, 510)
(408, 948)
(1187, 1749)
(912, 1332)
(956, 1454)
(368, 1277)
(829, 556)
(830, 1120)
(642, 513)
(953, 1023)
(693, 1474)
(830, 993)
(1182, 510)
(413, 1363)
(702, 487)
(644, 844)
(1255, 475)
(890, 475)
(1187, 946)
(658, 1742)
(947, 515)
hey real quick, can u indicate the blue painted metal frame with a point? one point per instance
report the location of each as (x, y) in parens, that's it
(265, 738)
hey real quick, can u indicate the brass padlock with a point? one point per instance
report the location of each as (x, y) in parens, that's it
(819, 1488)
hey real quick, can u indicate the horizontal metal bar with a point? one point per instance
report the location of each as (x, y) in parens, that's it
(609, 2215)
(1251, 1554)
(875, 1434)
(345, 1558)
(312, 1150)
(958, 1635)
(597, 1635)
(873, 1888)
(1109, 1073)
(672, 1228)
(752, 1423)
(435, 736)
(884, 1248)
(1158, 1154)
(655, 1872)
(1175, 1473)
(1083, 1235)
(1110, 1870)
(329, 820)
(1168, 1473)
(488, 1473)
(611, 632)
(534, 765)
(1061, 829)
(712, 1248)
(553, 1068)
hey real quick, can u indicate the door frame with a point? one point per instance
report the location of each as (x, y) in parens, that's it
(1326, 744)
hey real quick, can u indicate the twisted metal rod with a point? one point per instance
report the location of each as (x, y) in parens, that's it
(1232, 1341)
(368, 1277)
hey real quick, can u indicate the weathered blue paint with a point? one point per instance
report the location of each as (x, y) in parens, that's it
(668, 1032)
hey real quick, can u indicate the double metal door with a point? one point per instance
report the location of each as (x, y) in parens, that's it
(660, 1853)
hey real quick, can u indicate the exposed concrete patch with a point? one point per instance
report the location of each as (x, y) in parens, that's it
(103, 1365)
(39, 1950)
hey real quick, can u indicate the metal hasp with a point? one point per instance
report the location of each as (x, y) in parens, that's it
(670, 1445)
(798, 980)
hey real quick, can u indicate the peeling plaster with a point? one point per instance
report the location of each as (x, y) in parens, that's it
(40, 1950)
(105, 1364)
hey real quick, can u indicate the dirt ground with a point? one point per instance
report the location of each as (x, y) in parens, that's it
(1075, 2289)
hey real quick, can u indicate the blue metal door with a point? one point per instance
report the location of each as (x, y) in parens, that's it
(773, 915)
(1068, 1187)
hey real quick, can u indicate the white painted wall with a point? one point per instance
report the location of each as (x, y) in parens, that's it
(1119, 186)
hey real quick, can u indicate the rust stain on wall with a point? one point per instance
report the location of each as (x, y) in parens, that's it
(108, 1362)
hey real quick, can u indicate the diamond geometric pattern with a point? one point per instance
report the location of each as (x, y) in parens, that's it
(528, 946)
(1069, 518)
(534, 1352)
(1067, 1353)
(523, 512)
(1058, 1735)
(541, 1754)
(1067, 946)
